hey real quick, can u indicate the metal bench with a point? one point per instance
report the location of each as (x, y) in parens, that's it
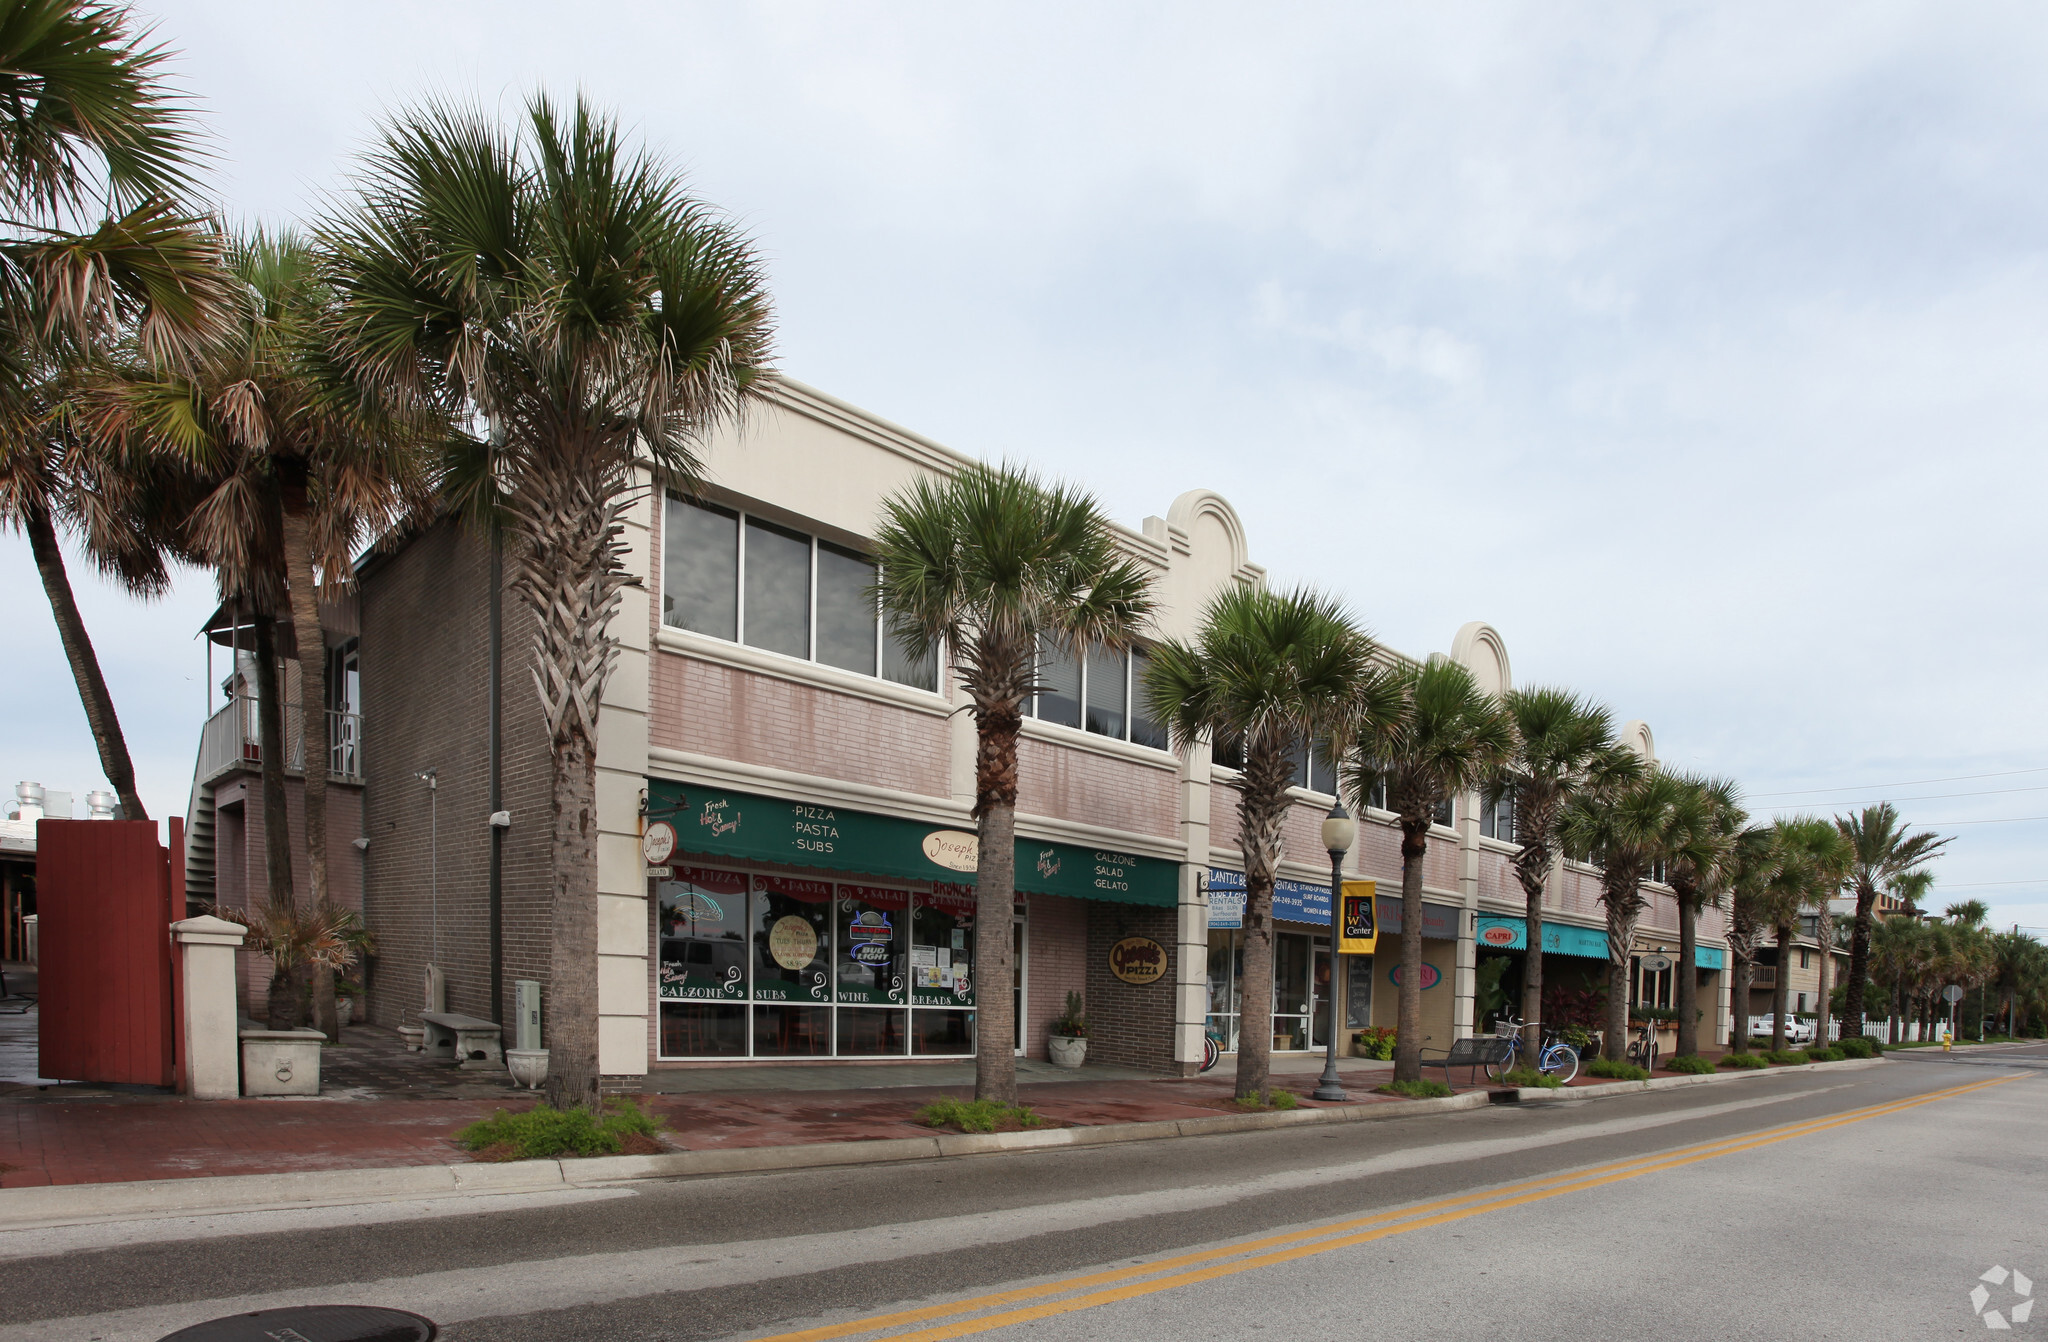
(472, 1043)
(1474, 1053)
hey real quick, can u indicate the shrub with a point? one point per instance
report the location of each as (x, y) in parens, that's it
(1417, 1090)
(978, 1115)
(1690, 1062)
(1741, 1060)
(1823, 1055)
(1275, 1099)
(1071, 1024)
(1876, 1046)
(1783, 1057)
(1529, 1076)
(538, 1133)
(1377, 1042)
(1853, 1048)
(1616, 1071)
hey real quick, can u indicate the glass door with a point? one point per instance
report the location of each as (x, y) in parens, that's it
(1017, 978)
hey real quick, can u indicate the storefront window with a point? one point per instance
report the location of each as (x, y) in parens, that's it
(1226, 971)
(779, 967)
(1358, 991)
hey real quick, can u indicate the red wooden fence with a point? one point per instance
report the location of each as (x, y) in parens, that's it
(104, 892)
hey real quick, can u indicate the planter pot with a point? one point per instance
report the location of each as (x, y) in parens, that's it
(413, 1037)
(281, 1062)
(345, 1010)
(1065, 1051)
(529, 1066)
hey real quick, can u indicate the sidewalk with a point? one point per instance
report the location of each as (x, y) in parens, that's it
(384, 1107)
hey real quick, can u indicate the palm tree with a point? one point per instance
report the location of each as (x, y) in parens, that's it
(1831, 860)
(1700, 854)
(1276, 674)
(1881, 851)
(570, 293)
(1627, 832)
(1910, 889)
(1750, 865)
(2018, 962)
(302, 465)
(1897, 947)
(87, 131)
(1808, 851)
(1565, 748)
(1438, 735)
(989, 567)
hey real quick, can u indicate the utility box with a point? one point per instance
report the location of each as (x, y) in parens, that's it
(526, 1013)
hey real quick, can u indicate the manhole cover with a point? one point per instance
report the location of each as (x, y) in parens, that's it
(312, 1323)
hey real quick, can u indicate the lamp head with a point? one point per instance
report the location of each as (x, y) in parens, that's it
(1339, 830)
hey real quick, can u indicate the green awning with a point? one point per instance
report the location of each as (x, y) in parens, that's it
(720, 823)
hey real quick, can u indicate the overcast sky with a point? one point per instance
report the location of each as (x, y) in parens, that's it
(1696, 348)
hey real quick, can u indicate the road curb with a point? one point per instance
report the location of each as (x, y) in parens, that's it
(62, 1204)
(1572, 1094)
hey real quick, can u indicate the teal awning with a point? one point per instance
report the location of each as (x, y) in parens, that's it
(720, 823)
(1512, 934)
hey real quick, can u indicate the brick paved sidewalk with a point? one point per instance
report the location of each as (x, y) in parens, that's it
(384, 1107)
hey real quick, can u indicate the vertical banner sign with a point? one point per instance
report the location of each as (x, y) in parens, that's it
(1358, 931)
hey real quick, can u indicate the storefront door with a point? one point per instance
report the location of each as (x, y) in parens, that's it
(1319, 998)
(1017, 979)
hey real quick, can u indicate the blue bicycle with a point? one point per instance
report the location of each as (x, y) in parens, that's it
(1558, 1058)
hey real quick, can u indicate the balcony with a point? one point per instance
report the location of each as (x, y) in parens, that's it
(232, 738)
(1763, 976)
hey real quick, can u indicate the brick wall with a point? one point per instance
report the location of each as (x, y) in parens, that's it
(1070, 783)
(709, 709)
(425, 613)
(1129, 1025)
(1058, 964)
(241, 876)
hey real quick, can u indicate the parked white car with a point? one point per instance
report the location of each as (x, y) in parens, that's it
(1797, 1031)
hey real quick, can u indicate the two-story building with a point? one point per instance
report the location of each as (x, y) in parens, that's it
(817, 901)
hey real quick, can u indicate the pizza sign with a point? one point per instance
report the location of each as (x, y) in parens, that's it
(1138, 960)
(658, 843)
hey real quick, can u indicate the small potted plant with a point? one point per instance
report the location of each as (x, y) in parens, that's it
(1376, 1043)
(1068, 1044)
(347, 992)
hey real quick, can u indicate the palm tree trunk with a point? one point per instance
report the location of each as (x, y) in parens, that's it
(285, 1009)
(995, 893)
(1738, 1027)
(1261, 835)
(1859, 960)
(85, 663)
(1688, 977)
(1532, 874)
(1621, 937)
(1824, 926)
(1408, 1025)
(1781, 996)
(312, 650)
(572, 958)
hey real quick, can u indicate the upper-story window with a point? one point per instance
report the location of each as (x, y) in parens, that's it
(1101, 692)
(1497, 818)
(1377, 799)
(752, 581)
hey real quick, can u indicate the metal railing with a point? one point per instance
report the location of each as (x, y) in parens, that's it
(1763, 976)
(233, 737)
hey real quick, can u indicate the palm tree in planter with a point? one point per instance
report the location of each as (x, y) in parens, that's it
(1277, 674)
(302, 464)
(1440, 735)
(1750, 863)
(989, 567)
(1699, 862)
(1627, 832)
(1565, 747)
(570, 293)
(1881, 852)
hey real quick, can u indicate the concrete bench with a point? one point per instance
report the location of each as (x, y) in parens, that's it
(471, 1042)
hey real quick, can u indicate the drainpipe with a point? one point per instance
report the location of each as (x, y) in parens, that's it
(497, 888)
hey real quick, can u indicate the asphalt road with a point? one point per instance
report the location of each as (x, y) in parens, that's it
(1854, 1203)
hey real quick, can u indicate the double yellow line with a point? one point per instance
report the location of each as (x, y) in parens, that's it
(1127, 1283)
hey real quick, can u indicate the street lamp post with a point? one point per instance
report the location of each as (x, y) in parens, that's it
(1339, 829)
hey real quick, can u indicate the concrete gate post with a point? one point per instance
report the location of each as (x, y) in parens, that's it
(209, 1024)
